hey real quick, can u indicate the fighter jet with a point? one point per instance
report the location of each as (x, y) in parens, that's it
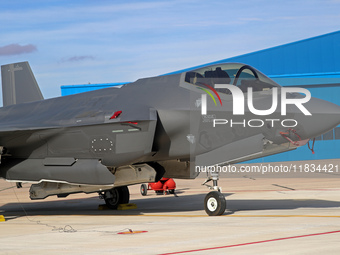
(166, 126)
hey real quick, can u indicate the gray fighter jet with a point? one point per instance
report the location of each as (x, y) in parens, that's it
(174, 125)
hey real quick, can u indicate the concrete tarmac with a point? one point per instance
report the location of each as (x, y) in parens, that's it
(263, 216)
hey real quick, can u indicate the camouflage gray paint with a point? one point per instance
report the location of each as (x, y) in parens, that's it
(85, 138)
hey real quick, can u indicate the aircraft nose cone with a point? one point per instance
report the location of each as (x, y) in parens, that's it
(325, 116)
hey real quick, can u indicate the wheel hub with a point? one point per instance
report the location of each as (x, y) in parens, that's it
(212, 204)
(111, 196)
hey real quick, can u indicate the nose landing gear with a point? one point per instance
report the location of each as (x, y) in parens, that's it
(214, 202)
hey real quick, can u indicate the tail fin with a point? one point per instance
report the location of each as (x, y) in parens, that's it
(18, 84)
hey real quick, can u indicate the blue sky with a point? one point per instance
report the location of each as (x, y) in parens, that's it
(87, 41)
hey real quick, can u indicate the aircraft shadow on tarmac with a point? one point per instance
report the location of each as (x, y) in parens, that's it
(153, 205)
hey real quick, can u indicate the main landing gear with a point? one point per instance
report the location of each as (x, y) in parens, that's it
(214, 202)
(116, 196)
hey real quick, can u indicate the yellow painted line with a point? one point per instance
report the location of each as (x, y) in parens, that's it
(278, 216)
(203, 216)
(241, 216)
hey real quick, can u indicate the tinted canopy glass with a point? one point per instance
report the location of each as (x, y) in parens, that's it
(240, 75)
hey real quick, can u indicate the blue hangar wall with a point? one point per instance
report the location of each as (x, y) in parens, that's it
(312, 63)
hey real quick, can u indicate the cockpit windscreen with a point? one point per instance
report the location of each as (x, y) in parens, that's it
(240, 75)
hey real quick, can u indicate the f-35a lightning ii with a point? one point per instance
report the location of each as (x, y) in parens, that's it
(166, 126)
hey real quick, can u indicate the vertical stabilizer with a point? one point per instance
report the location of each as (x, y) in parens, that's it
(19, 84)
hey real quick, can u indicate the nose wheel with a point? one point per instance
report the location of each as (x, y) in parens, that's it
(214, 202)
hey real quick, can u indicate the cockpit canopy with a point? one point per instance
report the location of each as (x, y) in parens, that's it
(240, 75)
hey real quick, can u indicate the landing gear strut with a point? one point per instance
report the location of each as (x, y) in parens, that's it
(116, 196)
(214, 202)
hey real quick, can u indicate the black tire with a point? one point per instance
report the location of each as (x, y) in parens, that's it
(116, 196)
(143, 189)
(214, 203)
(171, 191)
(125, 195)
(111, 198)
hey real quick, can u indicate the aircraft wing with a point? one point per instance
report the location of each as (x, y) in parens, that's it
(79, 152)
